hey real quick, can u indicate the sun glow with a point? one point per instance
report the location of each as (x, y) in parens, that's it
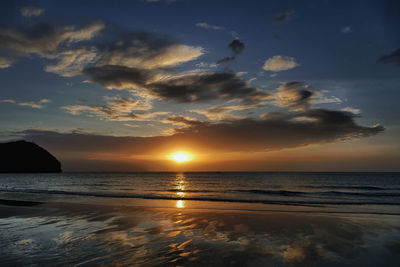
(181, 156)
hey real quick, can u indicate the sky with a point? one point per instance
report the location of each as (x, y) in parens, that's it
(238, 85)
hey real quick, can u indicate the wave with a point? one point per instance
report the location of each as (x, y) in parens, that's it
(300, 202)
(271, 192)
(326, 193)
(367, 188)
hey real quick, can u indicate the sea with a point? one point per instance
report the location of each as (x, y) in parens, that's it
(200, 219)
(354, 192)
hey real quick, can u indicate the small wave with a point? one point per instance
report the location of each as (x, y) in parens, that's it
(271, 192)
(310, 202)
(367, 188)
(362, 194)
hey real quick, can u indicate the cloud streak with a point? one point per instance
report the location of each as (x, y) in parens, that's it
(37, 105)
(284, 17)
(393, 57)
(117, 109)
(205, 25)
(31, 11)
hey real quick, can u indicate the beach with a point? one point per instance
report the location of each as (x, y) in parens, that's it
(72, 234)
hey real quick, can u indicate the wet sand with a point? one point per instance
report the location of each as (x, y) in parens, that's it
(71, 234)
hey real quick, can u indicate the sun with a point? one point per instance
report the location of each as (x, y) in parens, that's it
(181, 156)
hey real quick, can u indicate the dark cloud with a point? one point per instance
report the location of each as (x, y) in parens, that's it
(114, 76)
(284, 17)
(183, 121)
(278, 131)
(200, 87)
(236, 48)
(393, 57)
(186, 88)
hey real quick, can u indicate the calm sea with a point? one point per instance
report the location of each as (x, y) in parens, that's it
(354, 192)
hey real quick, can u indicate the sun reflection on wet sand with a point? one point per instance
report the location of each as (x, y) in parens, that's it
(180, 204)
(173, 237)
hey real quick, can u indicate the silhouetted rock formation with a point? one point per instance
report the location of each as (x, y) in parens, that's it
(22, 157)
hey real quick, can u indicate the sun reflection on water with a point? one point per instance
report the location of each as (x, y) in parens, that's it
(180, 188)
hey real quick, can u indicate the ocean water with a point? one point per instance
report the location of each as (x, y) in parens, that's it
(340, 192)
(200, 219)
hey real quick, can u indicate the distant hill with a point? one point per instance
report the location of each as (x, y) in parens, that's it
(25, 157)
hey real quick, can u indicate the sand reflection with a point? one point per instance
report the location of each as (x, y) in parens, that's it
(180, 204)
(188, 237)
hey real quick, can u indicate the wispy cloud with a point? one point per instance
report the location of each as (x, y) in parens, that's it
(31, 11)
(283, 17)
(205, 25)
(346, 29)
(393, 57)
(117, 109)
(38, 104)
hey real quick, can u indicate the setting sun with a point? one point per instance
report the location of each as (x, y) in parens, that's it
(181, 156)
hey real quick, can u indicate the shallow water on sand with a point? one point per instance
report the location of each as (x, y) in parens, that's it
(90, 235)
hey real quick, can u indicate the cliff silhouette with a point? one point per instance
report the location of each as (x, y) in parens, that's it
(24, 157)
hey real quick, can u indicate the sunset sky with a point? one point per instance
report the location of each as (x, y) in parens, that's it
(237, 85)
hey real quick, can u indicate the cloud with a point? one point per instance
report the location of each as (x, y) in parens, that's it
(284, 17)
(298, 96)
(72, 62)
(75, 49)
(355, 111)
(45, 40)
(393, 57)
(147, 51)
(271, 133)
(31, 11)
(223, 113)
(236, 48)
(205, 25)
(200, 87)
(294, 96)
(184, 121)
(45, 100)
(118, 77)
(117, 109)
(6, 62)
(185, 88)
(37, 105)
(346, 29)
(11, 101)
(280, 63)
